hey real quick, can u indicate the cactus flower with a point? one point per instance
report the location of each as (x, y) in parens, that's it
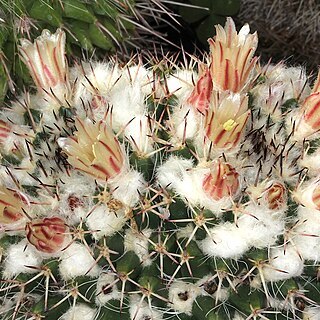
(11, 204)
(225, 123)
(222, 181)
(45, 59)
(232, 59)
(94, 150)
(47, 234)
(200, 96)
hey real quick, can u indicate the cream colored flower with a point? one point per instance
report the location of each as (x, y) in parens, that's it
(226, 120)
(45, 59)
(232, 57)
(94, 150)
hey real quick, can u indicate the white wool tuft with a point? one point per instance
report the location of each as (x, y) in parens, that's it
(261, 226)
(138, 243)
(222, 294)
(104, 281)
(185, 122)
(237, 316)
(140, 310)
(307, 234)
(182, 296)
(293, 78)
(19, 256)
(281, 260)
(311, 313)
(181, 84)
(76, 261)
(102, 76)
(138, 133)
(77, 183)
(80, 311)
(80, 186)
(140, 76)
(173, 171)
(105, 222)
(226, 241)
(128, 101)
(127, 187)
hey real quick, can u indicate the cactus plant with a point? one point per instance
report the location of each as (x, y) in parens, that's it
(161, 191)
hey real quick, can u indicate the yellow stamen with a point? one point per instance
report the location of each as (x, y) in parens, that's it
(229, 125)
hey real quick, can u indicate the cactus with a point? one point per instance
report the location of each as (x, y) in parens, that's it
(92, 27)
(161, 191)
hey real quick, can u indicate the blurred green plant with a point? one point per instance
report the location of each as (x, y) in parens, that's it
(203, 14)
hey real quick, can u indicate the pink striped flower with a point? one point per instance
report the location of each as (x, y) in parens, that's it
(222, 181)
(200, 96)
(226, 120)
(45, 59)
(11, 205)
(232, 58)
(94, 150)
(47, 234)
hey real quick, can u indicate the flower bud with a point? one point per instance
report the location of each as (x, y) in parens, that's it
(45, 59)
(200, 96)
(232, 59)
(222, 181)
(47, 234)
(275, 196)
